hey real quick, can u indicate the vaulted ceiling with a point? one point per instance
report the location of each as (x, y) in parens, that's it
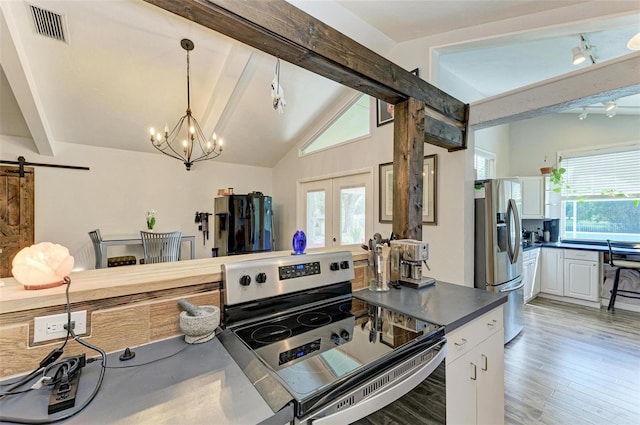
(121, 69)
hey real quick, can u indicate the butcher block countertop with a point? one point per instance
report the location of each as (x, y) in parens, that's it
(113, 282)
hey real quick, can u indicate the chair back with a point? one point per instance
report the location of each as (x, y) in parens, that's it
(626, 251)
(161, 247)
(96, 239)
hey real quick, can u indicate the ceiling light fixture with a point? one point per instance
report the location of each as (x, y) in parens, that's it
(583, 115)
(194, 147)
(634, 42)
(582, 52)
(610, 108)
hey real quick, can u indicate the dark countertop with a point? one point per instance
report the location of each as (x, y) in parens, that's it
(442, 303)
(581, 246)
(202, 384)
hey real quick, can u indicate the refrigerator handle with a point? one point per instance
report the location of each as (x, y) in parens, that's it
(514, 251)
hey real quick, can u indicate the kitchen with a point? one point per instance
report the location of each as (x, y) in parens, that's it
(277, 181)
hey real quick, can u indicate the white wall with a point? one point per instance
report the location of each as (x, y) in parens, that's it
(532, 139)
(497, 140)
(119, 188)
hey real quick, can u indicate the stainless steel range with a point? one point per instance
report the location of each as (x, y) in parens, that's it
(294, 327)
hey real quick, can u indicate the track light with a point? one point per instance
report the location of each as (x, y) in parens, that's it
(578, 56)
(610, 108)
(583, 115)
(634, 42)
(582, 52)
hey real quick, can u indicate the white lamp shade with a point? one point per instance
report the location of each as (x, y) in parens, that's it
(634, 42)
(578, 56)
(42, 265)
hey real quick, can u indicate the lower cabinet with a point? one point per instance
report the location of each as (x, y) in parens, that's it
(530, 273)
(552, 271)
(571, 273)
(475, 372)
(582, 275)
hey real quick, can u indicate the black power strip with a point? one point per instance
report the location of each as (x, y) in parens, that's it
(63, 395)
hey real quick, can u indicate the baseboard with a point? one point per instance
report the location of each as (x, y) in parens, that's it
(621, 305)
(592, 304)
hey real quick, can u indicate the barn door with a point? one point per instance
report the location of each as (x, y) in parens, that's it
(16, 214)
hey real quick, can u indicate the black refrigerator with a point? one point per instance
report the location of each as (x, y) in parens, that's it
(243, 224)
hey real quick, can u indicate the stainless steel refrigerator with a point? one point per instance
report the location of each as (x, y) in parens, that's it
(498, 249)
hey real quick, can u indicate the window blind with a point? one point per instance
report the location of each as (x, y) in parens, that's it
(484, 163)
(594, 173)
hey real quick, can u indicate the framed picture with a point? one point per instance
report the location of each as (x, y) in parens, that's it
(384, 110)
(429, 191)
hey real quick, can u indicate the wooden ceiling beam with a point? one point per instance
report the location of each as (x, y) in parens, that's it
(282, 30)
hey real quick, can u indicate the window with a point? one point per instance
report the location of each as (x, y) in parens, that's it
(484, 163)
(601, 194)
(351, 124)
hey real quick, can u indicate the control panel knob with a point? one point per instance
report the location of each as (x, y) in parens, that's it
(345, 335)
(344, 265)
(245, 280)
(334, 266)
(335, 338)
(261, 277)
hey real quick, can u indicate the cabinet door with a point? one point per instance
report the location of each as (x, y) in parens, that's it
(551, 276)
(490, 384)
(461, 378)
(527, 278)
(536, 271)
(581, 279)
(552, 200)
(532, 197)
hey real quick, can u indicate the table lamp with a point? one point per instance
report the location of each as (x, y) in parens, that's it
(41, 266)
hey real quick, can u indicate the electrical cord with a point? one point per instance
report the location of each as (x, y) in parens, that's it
(97, 387)
(186, 347)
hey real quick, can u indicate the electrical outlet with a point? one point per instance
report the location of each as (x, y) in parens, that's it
(46, 328)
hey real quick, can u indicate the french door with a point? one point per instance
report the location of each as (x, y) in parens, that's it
(336, 211)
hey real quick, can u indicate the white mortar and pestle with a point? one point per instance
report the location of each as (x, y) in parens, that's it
(198, 323)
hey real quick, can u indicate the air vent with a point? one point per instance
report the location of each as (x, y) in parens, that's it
(48, 23)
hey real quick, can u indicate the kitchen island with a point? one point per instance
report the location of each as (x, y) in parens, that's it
(203, 384)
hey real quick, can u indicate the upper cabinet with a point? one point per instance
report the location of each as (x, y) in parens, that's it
(539, 200)
(532, 197)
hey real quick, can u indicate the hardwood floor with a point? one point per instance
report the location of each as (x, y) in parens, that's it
(573, 365)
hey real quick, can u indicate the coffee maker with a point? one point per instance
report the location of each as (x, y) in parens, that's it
(407, 257)
(553, 227)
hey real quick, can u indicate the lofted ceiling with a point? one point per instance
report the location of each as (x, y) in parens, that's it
(121, 69)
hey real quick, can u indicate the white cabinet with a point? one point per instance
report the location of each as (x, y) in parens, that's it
(530, 273)
(552, 271)
(475, 371)
(539, 199)
(571, 273)
(552, 200)
(582, 274)
(532, 197)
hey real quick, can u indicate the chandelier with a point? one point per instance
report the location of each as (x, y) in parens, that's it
(190, 145)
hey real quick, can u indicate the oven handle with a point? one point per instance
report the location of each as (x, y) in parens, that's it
(384, 397)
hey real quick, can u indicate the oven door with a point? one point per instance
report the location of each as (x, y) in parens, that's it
(379, 390)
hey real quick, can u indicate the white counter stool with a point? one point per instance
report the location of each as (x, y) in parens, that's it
(161, 247)
(621, 264)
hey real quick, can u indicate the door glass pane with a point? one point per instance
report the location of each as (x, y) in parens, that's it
(315, 219)
(352, 215)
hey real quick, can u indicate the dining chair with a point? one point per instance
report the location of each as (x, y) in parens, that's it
(161, 247)
(96, 239)
(619, 264)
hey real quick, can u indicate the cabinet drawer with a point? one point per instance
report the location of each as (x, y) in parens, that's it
(465, 338)
(576, 254)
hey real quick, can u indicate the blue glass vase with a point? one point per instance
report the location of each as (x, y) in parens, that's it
(299, 242)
